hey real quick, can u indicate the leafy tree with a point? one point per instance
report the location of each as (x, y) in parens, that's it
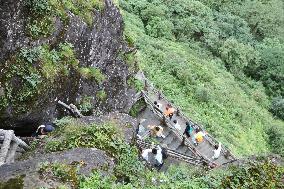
(158, 27)
(265, 18)
(276, 139)
(270, 69)
(277, 107)
(237, 55)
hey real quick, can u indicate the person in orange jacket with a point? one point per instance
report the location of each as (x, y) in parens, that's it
(169, 111)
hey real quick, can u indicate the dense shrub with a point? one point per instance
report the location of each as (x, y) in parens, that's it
(277, 107)
(191, 69)
(39, 7)
(270, 69)
(237, 56)
(276, 139)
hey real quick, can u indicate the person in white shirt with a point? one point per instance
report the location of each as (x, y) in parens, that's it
(177, 125)
(145, 154)
(159, 156)
(217, 151)
(157, 152)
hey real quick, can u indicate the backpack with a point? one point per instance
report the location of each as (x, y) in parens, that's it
(164, 153)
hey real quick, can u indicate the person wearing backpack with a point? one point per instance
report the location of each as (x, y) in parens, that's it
(43, 130)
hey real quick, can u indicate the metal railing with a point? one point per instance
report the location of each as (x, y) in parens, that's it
(211, 140)
(172, 128)
(186, 158)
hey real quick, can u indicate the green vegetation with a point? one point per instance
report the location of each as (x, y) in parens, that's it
(255, 175)
(131, 61)
(92, 73)
(43, 14)
(35, 70)
(137, 108)
(63, 172)
(101, 95)
(85, 105)
(106, 137)
(40, 28)
(13, 183)
(130, 173)
(135, 83)
(277, 107)
(220, 61)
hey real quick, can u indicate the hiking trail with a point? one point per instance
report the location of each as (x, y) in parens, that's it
(198, 155)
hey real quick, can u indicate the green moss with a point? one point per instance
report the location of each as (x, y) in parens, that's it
(92, 73)
(43, 13)
(137, 108)
(14, 183)
(101, 95)
(30, 72)
(63, 172)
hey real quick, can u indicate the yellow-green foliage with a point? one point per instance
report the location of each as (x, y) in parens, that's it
(63, 172)
(43, 13)
(92, 73)
(82, 8)
(233, 110)
(101, 95)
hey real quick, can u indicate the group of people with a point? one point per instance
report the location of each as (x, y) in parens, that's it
(196, 135)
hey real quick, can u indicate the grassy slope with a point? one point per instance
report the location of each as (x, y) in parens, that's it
(230, 110)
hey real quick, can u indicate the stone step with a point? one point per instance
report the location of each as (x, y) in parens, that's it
(182, 149)
(175, 144)
(166, 131)
(168, 140)
(189, 153)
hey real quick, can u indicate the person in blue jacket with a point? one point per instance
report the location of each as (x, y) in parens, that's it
(43, 130)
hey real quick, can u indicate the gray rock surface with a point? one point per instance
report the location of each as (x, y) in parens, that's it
(125, 122)
(92, 158)
(98, 45)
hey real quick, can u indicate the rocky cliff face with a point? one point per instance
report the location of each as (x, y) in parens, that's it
(28, 90)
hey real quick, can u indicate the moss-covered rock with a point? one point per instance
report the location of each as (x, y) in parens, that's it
(63, 50)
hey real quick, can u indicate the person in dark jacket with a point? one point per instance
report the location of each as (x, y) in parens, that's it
(43, 130)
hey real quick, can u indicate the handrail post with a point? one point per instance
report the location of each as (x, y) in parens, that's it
(178, 112)
(159, 95)
(145, 86)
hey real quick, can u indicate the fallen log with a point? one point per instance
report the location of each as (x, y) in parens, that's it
(72, 108)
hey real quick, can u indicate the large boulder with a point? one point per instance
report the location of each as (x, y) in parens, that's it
(29, 173)
(97, 45)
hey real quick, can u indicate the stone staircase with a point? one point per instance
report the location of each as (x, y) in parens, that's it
(173, 137)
